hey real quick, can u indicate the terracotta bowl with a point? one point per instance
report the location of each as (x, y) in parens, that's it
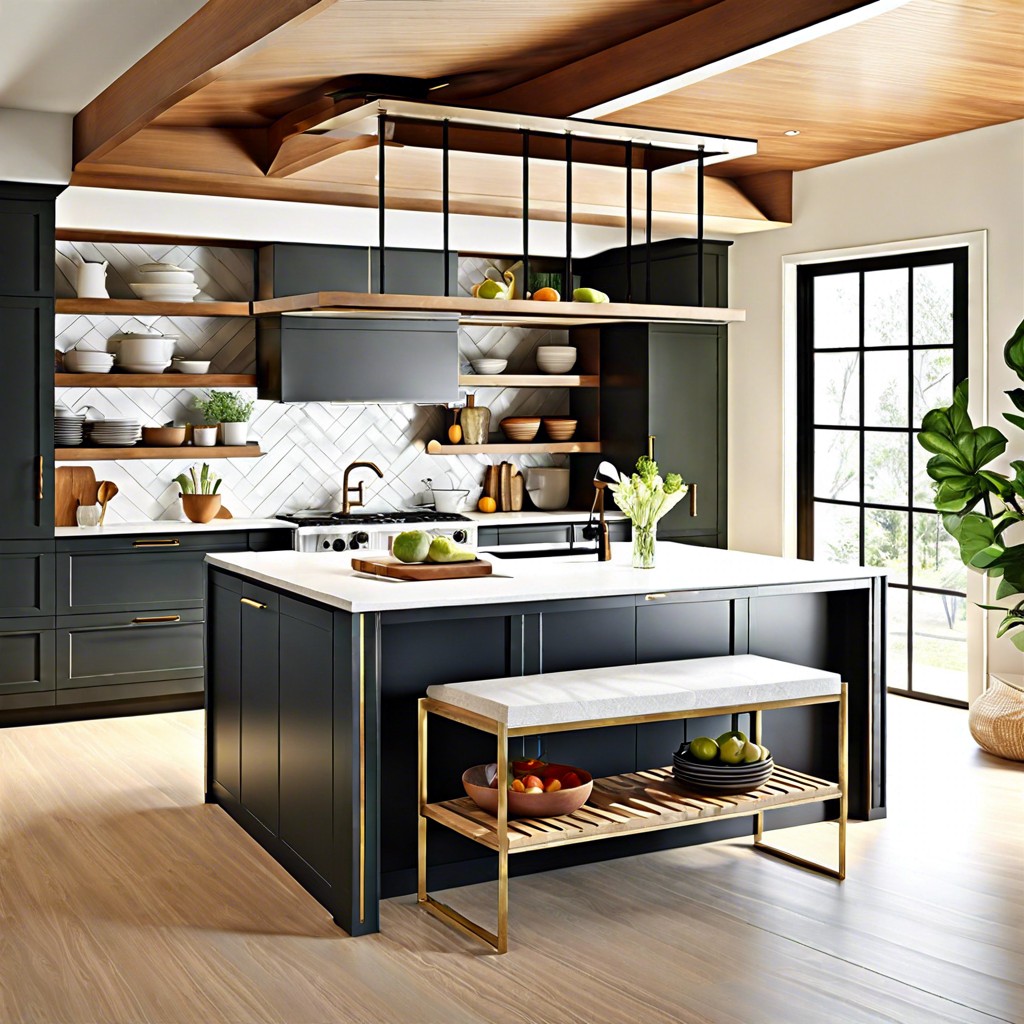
(163, 437)
(559, 428)
(200, 508)
(520, 428)
(527, 805)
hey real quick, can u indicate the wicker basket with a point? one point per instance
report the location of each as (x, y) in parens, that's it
(997, 719)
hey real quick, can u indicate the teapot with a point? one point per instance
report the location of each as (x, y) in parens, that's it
(91, 282)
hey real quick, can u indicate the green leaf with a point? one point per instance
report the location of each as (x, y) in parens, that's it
(1012, 417)
(1013, 351)
(941, 444)
(973, 532)
(1018, 641)
(1017, 397)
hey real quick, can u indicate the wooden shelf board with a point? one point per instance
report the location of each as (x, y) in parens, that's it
(633, 802)
(154, 380)
(532, 448)
(529, 380)
(185, 451)
(496, 311)
(136, 307)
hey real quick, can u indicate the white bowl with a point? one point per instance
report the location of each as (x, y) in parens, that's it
(548, 487)
(148, 268)
(144, 367)
(556, 358)
(191, 365)
(449, 499)
(183, 278)
(489, 367)
(164, 292)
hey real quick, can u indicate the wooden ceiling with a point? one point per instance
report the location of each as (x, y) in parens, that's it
(214, 109)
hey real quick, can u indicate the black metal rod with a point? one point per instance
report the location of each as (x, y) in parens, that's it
(526, 214)
(700, 225)
(381, 199)
(649, 212)
(567, 283)
(629, 221)
(444, 202)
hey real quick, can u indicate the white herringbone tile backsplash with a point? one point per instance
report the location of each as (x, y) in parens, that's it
(307, 445)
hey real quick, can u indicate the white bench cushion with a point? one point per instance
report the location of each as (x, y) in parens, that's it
(552, 698)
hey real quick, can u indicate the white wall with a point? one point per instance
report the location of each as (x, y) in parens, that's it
(964, 183)
(35, 146)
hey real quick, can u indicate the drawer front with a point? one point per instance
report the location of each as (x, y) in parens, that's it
(26, 663)
(26, 580)
(142, 647)
(534, 534)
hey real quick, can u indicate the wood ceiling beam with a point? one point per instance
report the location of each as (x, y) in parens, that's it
(701, 38)
(197, 53)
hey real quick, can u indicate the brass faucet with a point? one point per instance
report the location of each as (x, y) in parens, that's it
(346, 504)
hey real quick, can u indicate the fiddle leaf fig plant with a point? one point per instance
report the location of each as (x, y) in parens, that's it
(960, 454)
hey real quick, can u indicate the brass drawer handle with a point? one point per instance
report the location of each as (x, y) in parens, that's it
(160, 542)
(654, 597)
(146, 620)
(693, 501)
(253, 604)
(40, 478)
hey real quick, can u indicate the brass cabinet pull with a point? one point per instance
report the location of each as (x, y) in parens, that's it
(160, 542)
(40, 478)
(693, 501)
(146, 620)
(650, 445)
(654, 597)
(253, 604)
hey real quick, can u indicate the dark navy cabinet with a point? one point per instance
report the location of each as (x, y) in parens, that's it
(26, 664)
(26, 239)
(224, 663)
(26, 579)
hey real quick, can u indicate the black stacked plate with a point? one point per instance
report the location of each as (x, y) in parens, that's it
(714, 777)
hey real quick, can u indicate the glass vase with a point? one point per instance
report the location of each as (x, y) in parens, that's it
(644, 541)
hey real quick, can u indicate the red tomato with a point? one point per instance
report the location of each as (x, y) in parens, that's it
(554, 771)
(570, 780)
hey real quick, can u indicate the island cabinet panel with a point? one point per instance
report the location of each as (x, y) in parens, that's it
(588, 634)
(224, 665)
(26, 579)
(260, 695)
(307, 732)
(26, 665)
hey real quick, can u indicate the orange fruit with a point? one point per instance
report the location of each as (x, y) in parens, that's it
(487, 505)
(455, 433)
(546, 295)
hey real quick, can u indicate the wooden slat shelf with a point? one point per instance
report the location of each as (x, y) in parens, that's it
(497, 311)
(154, 380)
(529, 380)
(634, 802)
(511, 448)
(136, 307)
(185, 451)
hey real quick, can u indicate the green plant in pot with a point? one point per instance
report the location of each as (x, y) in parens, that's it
(228, 410)
(200, 497)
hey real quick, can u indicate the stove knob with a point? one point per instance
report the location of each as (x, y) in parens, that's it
(327, 545)
(459, 536)
(339, 545)
(361, 538)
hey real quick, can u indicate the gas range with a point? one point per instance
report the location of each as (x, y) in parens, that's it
(333, 531)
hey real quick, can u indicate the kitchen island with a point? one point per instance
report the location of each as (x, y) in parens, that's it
(313, 672)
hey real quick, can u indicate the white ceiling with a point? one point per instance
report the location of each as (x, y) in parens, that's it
(57, 55)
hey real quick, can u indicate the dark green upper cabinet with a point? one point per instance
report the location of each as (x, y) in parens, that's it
(26, 239)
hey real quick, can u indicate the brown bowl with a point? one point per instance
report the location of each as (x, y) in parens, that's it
(527, 805)
(200, 508)
(520, 428)
(163, 437)
(559, 428)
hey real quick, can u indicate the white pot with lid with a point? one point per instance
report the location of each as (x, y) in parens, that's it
(143, 348)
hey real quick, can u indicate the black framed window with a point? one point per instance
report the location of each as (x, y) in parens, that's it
(880, 342)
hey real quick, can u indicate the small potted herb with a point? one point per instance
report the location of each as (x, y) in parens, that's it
(228, 410)
(199, 498)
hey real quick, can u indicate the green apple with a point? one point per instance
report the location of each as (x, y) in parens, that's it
(492, 290)
(729, 735)
(731, 751)
(751, 753)
(704, 748)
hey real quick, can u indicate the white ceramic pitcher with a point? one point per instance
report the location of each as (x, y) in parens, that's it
(92, 281)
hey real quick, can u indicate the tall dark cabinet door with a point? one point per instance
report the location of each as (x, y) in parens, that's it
(26, 423)
(224, 665)
(260, 690)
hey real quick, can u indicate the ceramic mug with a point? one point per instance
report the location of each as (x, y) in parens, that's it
(88, 515)
(204, 436)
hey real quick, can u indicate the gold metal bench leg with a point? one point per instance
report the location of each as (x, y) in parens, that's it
(792, 858)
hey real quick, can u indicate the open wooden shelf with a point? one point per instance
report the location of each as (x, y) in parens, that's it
(511, 448)
(136, 307)
(185, 451)
(529, 380)
(154, 380)
(634, 802)
(511, 312)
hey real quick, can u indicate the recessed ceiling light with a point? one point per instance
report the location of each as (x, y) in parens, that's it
(792, 131)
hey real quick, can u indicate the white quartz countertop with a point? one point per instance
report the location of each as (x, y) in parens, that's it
(170, 526)
(330, 580)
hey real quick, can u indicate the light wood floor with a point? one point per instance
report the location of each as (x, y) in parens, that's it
(123, 898)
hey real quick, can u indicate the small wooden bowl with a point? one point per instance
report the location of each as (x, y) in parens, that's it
(527, 805)
(163, 437)
(520, 428)
(559, 428)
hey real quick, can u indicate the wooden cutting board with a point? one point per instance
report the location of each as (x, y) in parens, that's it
(396, 570)
(73, 486)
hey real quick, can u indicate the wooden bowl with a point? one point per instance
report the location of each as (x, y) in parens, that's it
(163, 437)
(520, 428)
(200, 508)
(559, 428)
(527, 805)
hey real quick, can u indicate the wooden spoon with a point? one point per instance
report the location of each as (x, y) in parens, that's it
(106, 490)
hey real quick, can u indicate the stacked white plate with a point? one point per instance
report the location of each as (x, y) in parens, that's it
(87, 361)
(165, 282)
(115, 433)
(68, 429)
(556, 358)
